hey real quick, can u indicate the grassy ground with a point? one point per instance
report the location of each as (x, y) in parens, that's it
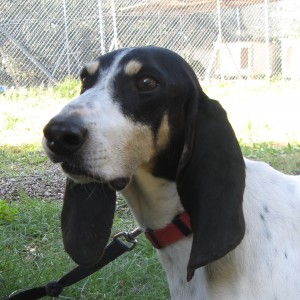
(31, 252)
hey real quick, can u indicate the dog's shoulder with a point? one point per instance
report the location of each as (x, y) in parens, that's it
(260, 177)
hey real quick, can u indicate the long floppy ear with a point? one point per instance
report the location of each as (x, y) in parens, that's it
(211, 181)
(86, 220)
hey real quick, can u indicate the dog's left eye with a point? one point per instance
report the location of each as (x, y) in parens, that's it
(146, 84)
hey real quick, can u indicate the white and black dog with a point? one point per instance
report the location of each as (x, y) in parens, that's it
(142, 125)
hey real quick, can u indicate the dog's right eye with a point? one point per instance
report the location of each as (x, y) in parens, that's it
(146, 84)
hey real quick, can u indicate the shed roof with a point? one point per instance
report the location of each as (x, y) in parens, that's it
(188, 6)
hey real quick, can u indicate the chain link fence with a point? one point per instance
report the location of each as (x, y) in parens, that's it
(44, 41)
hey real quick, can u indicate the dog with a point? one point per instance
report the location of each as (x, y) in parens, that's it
(224, 227)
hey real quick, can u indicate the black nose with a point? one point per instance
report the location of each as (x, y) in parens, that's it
(64, 137)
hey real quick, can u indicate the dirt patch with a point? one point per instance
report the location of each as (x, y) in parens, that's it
(46, 184)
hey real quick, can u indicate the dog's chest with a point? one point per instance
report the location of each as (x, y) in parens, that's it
(174, 260)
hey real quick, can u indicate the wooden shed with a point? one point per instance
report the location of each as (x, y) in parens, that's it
(243, 59)
(290, 51)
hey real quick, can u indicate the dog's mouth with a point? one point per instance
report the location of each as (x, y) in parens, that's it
(79, 173)
(82, 175)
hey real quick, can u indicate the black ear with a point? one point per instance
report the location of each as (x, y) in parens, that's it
(86, 220)
(211, 181)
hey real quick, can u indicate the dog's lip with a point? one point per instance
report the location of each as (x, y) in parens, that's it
(120, 183)
(80, 174)
(74, 169)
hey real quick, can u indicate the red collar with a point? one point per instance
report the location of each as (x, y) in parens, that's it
(171, 233)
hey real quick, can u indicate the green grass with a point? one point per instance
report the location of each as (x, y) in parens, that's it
(283, 158)
(265, 118)
(21, 158)
(32, 254)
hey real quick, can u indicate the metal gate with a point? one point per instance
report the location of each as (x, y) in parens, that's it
(44, 41)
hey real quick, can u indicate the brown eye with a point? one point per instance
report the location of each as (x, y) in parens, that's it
(146, 84)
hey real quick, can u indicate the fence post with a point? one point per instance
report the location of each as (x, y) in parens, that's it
(113, 12)
(101, 27)
(220, 39)
(66, 37)
(267, 40)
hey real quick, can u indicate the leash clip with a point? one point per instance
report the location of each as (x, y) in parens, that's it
(129, 237)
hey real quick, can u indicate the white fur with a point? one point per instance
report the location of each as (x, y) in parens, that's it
(266, 265)
(153, 201)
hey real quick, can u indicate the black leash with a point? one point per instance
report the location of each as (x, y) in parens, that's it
(53, 289)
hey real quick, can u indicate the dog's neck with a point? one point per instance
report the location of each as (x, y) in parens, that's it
(153, 201)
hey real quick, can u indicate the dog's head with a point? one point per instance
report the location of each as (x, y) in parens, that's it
(145, 107)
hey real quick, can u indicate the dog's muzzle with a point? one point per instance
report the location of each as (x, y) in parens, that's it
(63, 140)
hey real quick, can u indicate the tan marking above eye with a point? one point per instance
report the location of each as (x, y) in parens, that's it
(92, 67)
(132, 67)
